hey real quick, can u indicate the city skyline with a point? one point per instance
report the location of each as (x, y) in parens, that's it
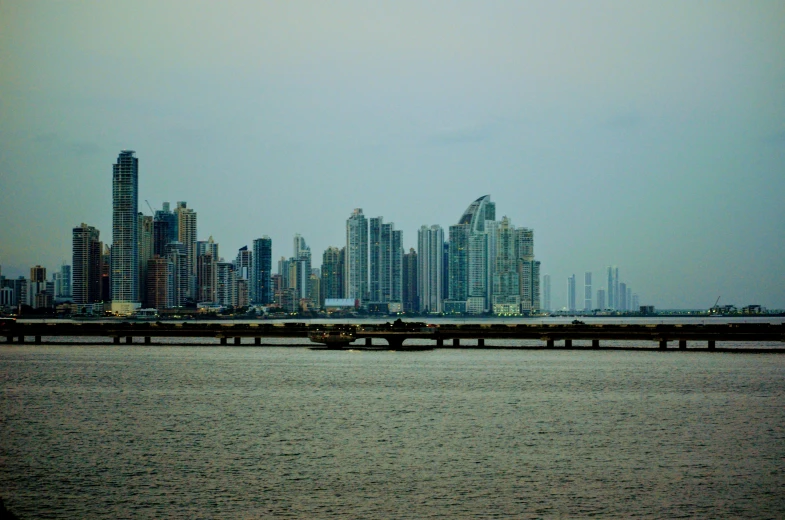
(645, 135)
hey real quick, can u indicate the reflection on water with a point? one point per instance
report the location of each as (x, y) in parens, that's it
(183, 432)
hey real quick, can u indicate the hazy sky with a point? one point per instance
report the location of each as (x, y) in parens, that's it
(647, 135)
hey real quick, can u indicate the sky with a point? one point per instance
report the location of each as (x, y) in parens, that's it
(645, 135)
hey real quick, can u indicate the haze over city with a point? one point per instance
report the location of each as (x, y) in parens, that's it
(648, 136)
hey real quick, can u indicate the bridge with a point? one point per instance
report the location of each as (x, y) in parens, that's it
(476, 335)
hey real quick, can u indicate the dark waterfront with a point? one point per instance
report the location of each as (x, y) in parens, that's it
(195, 432)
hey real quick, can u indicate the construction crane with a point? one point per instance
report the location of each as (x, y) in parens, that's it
(149, 206)
(714, 309)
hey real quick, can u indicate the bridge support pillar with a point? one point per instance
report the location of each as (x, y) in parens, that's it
(369, 342)
(223, 341)
(148, 340)
(116, 340)
(20, 339)
(257, 341)
(439, 342)
(129, 339)
(481, 342)
(682, 344)
(9, 339)
(663, 343)
(456, 342)
(567, 343)
(395, 342)
(550, 343)
(711, 344)
(237, 341)
(595, 343)
(38, 340)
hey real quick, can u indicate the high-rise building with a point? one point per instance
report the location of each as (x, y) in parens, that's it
(386, 258)
(587, 291)
(430, 269)
(65, 281)
(571, 293)
(226, 284)
(86, 265)
(332, 273)
(146, 248)
(176, 254)
(411, 298)
(207, 276)
(302, 255)
(601, 299)
(506, 291)
(160, 283)
(243, 263)
(125, 233)
(164, 229)
(186, 235)
(613, 287)
(261, 292)
(468, 265)
(546, 293)
(207, 247)
(356, 259)
(622, 302)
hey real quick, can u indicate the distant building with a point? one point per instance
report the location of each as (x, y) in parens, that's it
(587, 291)
(430, 270)
(411, 298)
(386, 261)
(86, 264)
(261, 292)
(125, 233)
(160, 283)
(356, 259)
(571, 293)
(146, 248)
(601, 299)
(546, 293)
(186, 235)
(332, 274)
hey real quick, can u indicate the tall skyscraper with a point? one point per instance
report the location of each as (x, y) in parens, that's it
(146, 250)
(430, 270)
(546, 293)
(571, 293)
(160, 283)
(86, 265)
(186, 230)
(468, 266)
(386, 257)
(622, 302)
(332, 273)
(411, 298)
(125, 233)
(601, 299)
(301, 283)
(261, 292)
(356, 260)
(587, 291)
(227, 284)
(613, 287)
(164, 229)
(176, 254)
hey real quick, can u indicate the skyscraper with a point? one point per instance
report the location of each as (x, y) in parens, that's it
(468, 265)
(571, 293)
(613, 287)
(386, 257)
(601, 299)
(356, 260)
(546, 292)
(430, 259)
(186, 231)
(301, 283)
(146, 250)
(125, 227)
(261, 292)
(587, 291)
(86, 265)
(410, 297)
(332, 273)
